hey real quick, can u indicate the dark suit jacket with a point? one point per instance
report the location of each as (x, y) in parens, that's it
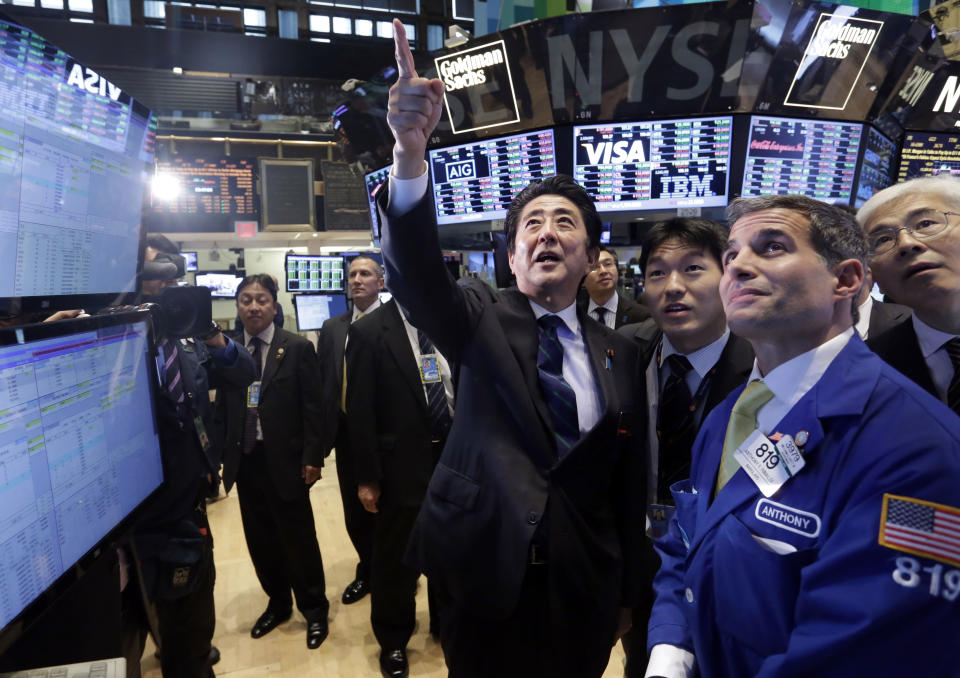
(387, 410)
(290, 414)
(885, 316)
(900, 348)
(490, 491)
(628, 310)
(330, 343)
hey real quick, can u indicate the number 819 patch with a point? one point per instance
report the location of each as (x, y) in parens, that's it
(944, 583)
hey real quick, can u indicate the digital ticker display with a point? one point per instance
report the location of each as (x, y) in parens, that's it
(925, 154)
(654, 165)
(814, 158)
(205, 186)
(876, 170)
(374, 182)
(477, 181)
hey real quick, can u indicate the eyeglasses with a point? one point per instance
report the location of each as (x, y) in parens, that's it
(924, 225)
(612, 265)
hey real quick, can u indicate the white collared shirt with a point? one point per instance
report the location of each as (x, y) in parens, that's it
(863, 324)
(610, 317)
(576, 365)
(938, 361)
(445, 377)
(266, 337)
(405, 193)
(370, 309)
(702, 360)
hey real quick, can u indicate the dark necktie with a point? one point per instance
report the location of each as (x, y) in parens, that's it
(250, 422)
(675, 429)
(953, 391)
(171, 369)
(440, 419)
(601, 314)
(560, 397)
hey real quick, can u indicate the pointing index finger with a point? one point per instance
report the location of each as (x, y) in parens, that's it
(405, 66)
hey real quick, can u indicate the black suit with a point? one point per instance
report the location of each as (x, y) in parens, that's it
(628, 310)
(359, 522)
(274, 500)
(732, 368)
(900, 348)
(499, 481)
(390, 429)
(885, 316)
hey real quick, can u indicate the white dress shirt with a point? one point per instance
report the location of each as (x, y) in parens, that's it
(610, 317)
(789, 382)
(576, 365)
(702, 360)
(863, 324)
(445, 377)
(938, 361)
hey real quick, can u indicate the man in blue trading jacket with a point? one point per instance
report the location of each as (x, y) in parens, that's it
(173, 545)
(533, 521)
(816, 535)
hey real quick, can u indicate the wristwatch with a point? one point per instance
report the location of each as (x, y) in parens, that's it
(210, 333)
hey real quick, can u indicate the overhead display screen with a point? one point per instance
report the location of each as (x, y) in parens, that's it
(654, 165)
(191, 186)
(314, 273)
(74, 150)
(477, 181)
(814, 158)
(876, 170)
(925, 154)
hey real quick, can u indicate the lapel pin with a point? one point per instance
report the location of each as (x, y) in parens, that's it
(609, 359)
(279, 353)
(801, 438)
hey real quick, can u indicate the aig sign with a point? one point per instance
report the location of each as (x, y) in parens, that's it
(478, 88)
(833, 61)
(460, 170)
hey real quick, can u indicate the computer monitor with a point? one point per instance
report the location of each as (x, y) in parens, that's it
(374, 182)
(190, 194)
(314, 273)
(654, 165)
(191, 261)
(476, 181)
(925, 154)
(876, 168)
(79, 451)
(74, 155)
(222, 284)
(313, 309)
(815, 158)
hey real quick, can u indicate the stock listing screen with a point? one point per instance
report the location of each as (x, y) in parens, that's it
(654, 165)
(477, 181)
(814, 158)
(74, 150)
(925, 154)
(374, 182)
(876, 170)
(191, 186)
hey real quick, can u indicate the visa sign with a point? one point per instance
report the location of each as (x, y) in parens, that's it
(90, 81)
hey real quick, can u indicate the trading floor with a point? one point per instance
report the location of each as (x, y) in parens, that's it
(351, 650)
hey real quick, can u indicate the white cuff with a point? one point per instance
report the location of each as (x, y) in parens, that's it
(670, 661)
(405, 193)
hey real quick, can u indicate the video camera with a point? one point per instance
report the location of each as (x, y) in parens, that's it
(177, 312)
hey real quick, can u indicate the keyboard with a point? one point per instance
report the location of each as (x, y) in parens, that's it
(105, 668)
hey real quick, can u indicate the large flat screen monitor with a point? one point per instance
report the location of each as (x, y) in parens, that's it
(202, 194)
(815, 158)
(374, 182)
(314, 273)
(477, 181)
(314, 309)
(877, 167)
(74, 151)
(222, 284)
(924, 154)
(79, 449)
(654, 165)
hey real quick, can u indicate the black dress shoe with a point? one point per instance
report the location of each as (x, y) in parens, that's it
(393, 663)
(355, 590)
(316, 633)
(214, 655)
(268, 621)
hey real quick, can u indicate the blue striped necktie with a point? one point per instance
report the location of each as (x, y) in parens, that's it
(559, 395)
(440, 418)
(171, 369)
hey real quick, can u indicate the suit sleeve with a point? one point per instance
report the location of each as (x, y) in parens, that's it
(330, 399)
(417, 277)
(362, 389)
(240, 373)
(311, 402)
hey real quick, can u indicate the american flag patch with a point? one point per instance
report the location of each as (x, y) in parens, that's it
(921, 527)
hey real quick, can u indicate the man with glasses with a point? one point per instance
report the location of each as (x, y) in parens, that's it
(604, 303)
(914, 249)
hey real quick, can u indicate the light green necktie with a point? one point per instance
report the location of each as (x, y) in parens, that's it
(743, 421)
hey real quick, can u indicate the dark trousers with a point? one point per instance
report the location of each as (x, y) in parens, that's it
(635, 640)
(393, 585)
(522, 645)
(282, 540)
(358, 520)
